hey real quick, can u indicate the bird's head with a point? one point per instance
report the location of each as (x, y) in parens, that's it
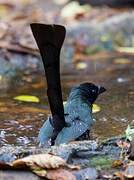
(90, 91)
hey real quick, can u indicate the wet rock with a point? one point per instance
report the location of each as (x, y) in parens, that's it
(9, 153)
(7, 157)
(88, 173)
(131, 150)
(129, 172)
(64, 150)
(88, 154)
(82, 162)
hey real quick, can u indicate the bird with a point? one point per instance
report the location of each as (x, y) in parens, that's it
(77, 113)
(74, 119)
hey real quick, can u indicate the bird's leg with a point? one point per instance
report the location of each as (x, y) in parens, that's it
(49, 39)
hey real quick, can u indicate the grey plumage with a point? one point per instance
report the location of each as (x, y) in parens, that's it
(77, 113)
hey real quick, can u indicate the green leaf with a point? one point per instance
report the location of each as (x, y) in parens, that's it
(96, 108)
(27, 98)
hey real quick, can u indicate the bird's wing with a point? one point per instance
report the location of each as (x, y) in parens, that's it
(79, 120)
(71, 133)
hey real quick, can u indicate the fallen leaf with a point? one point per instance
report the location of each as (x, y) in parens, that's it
(81, 65)
(117, 163)
(119, 175)
(60, 174)
(125, 49)
(96, 108)
(4, 166)
(27, 98)
(47, 161)
(122, 61)
(131, 93)
(44, 165)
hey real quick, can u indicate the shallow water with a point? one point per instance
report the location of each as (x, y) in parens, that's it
(20, 121)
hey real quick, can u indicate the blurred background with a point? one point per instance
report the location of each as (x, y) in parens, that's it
(99, 48)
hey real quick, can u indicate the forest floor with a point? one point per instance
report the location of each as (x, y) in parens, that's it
(99, 47)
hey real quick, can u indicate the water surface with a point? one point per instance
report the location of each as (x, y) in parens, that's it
(20, 121)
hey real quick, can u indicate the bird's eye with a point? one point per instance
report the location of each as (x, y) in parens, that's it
(93, 91)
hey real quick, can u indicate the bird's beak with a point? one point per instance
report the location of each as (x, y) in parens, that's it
(101, 90)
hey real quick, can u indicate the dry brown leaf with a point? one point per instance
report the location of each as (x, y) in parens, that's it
(117, 163)
(119, 175)
(122, 61)
(60, 174)
(44, 165)
(47, 161)
(4, 166)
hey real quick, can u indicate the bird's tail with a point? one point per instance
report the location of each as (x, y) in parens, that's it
(49, 39)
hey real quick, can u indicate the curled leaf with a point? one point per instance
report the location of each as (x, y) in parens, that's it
(40, 160)
(44, 165)
(27, 98)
